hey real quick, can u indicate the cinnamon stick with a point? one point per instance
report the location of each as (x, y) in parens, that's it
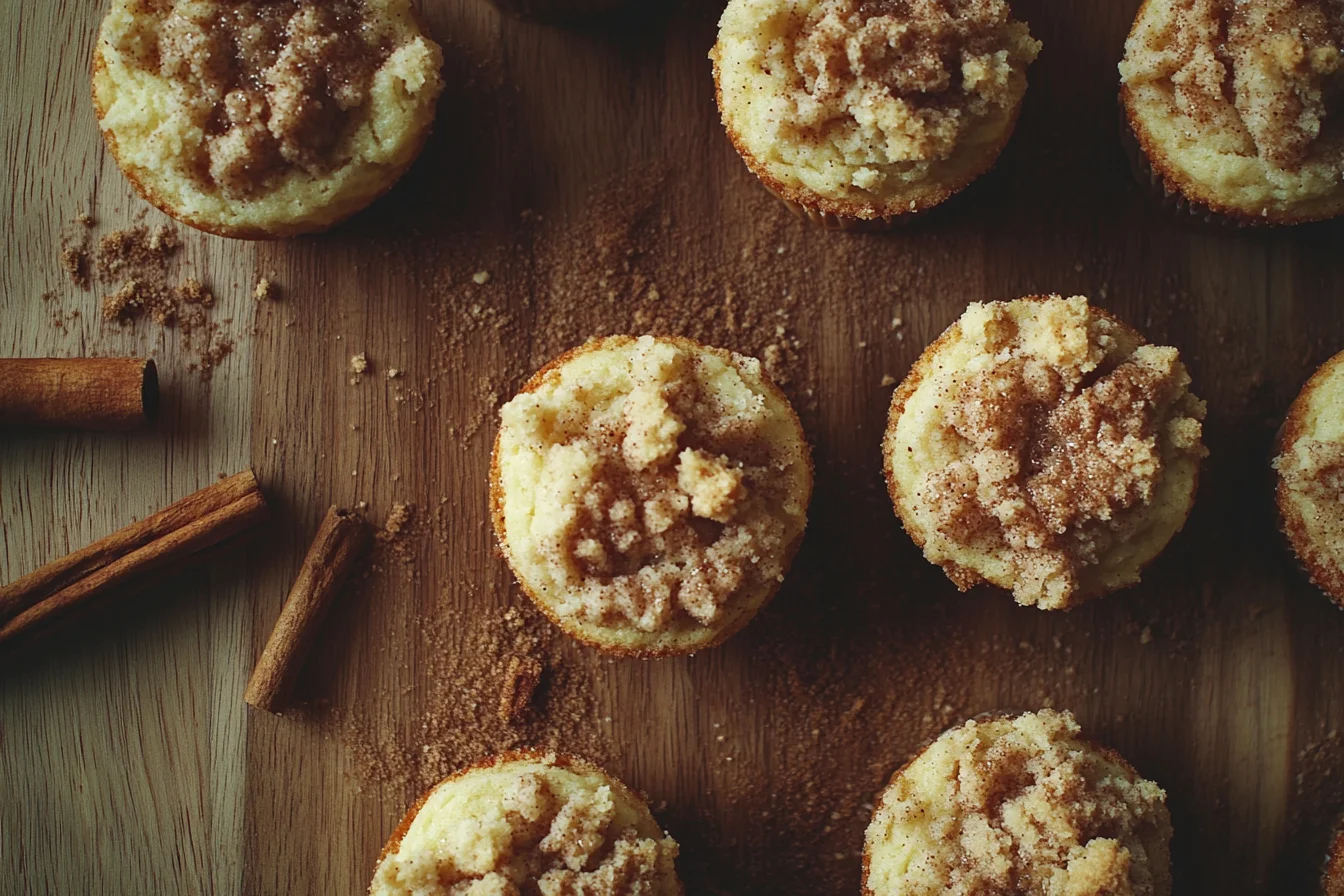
(126, 561)
(78, 393)
(334, 550)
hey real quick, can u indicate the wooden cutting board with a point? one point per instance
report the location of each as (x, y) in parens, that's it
(585, 172)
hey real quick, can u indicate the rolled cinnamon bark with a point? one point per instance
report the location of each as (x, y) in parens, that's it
(126, 561)
(78, 393)
(334, 550)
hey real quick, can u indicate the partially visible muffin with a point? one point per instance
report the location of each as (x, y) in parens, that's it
(869, 110)
(1332, 877)
(1238, 107)
(1041, 446)
(650, 493)
(261, 119)
(1310, 468)
(1018, 805)
(528, 822)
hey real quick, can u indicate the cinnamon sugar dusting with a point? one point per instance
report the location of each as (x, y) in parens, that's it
(655, 501)
(1064, 433)
(1019, 805)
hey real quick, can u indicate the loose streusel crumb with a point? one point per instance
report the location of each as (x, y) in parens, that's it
(265, 291)
(397, 518)
(665, 485)
(1020, 805)
(530, 826)
(1058, 437)
(359, 364)
(480, 278)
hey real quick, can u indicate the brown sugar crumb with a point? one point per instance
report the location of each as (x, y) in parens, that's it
(271, 84)
(522, 676)
(397, 518)
(1022, 806)
(916, 75)
(1059, 451)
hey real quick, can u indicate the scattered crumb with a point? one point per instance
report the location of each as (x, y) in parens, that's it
(397, 518)
(522, 675)
(393, 373)
(888, 380)
(265, 291)
(480, 278)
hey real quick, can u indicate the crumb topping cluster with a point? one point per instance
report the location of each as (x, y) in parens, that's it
(1023, 806)
(659, 505)
(1314, 470)
(551, 844)
(1064, 438)
(1266, 72)
(911, 76)
(271, 85)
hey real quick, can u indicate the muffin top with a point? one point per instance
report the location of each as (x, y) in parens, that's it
(650, 491)
(1241, 102)
(523, 823)
(1041, 446)
(881, 105)
(1310, 464)
(231, 110)
(1020, 805)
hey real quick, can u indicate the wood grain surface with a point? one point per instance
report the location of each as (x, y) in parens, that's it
(579, 167)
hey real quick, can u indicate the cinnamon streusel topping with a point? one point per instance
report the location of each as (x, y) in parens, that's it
(270, 84)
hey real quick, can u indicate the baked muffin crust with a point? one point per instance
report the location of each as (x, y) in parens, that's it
(260, 118)
(650, 493)
(1041, 446)
(1018, 805)
(870, 108)
(520, 823)
(1310, 467)
(1238, 105)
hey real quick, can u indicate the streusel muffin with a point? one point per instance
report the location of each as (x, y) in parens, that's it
(650, 493)
(1041, 446)
(1237, 107)
(1018, 805)
(264, 118)
(1310, 468)
(528, 822)
(860, 111)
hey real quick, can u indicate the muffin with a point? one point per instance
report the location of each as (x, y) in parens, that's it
(528, 822)
(1237, 107)
(864, 111)
(1332, 877)
(1041, 446)
(1310, 468)
(1018, 805)
(261, 119)
(650, 493)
